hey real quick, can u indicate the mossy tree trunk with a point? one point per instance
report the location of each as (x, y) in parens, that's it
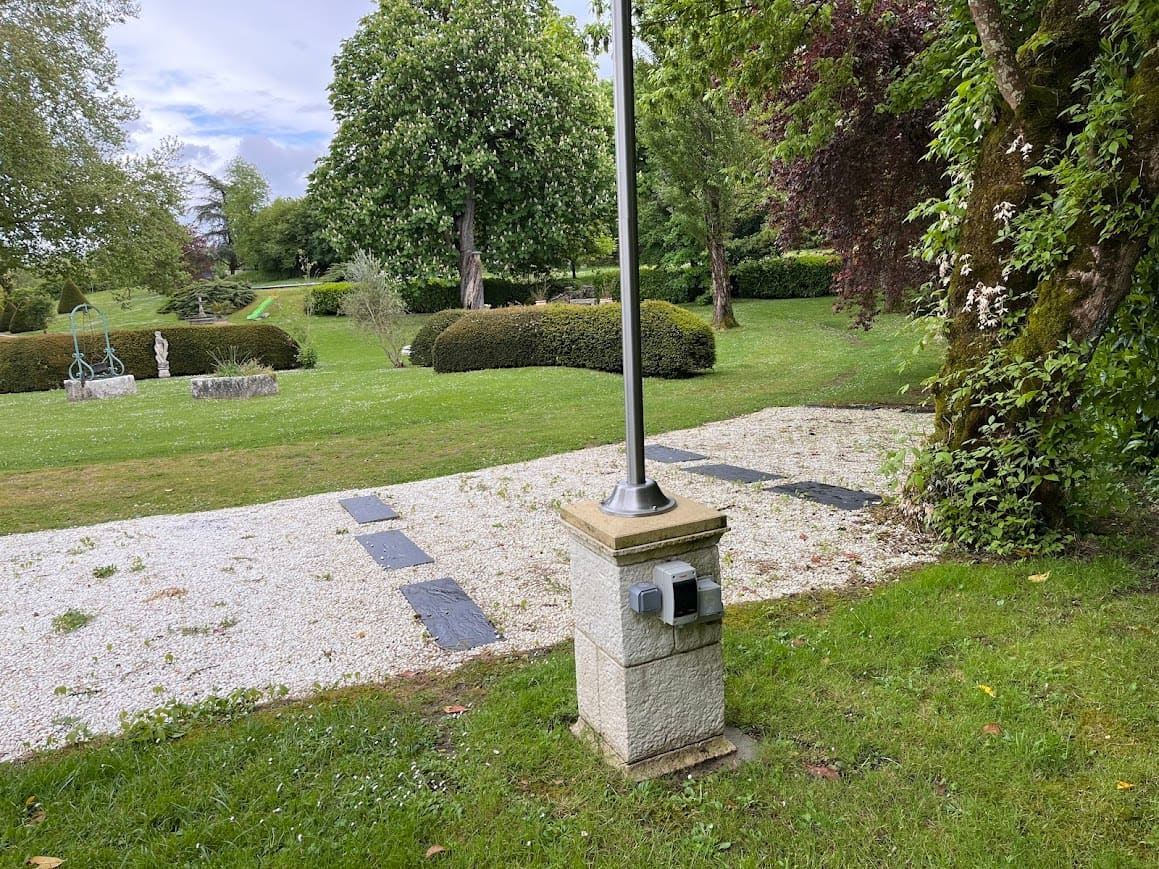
(1074, 304)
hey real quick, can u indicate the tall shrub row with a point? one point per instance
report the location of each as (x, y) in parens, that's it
(42, 361)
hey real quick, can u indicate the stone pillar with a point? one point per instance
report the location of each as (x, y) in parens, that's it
(651, 696)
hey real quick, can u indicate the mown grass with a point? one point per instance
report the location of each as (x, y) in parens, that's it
(353, 421)
(880, 688)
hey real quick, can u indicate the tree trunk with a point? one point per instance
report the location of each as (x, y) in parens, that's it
(722, 315)
(1074, 304)
(470, 263)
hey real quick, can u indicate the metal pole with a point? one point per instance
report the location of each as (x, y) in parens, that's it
(635, 496)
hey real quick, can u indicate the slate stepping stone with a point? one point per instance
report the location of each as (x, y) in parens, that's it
(450, 616)
(830, 496)
(734, 474)
(657, 453)
(367, 508)
(393, 549)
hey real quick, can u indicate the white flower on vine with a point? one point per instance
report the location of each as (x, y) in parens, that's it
(965, 263)
(1004, 212)
(1023, 147)
(988, 302)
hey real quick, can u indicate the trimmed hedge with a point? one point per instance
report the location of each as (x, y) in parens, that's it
(433, 295)
(423, 345)
(800, 277)
(499, 338)
(41, 362)
(327, 299)
(70, 297)
(674, 342)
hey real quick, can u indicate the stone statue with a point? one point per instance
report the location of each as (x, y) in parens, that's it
(161, 351)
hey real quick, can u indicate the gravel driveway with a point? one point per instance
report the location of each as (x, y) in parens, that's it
(281, 594)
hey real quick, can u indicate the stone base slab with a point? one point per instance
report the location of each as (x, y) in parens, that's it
(105, 387)
(234, 387)
(685, 759)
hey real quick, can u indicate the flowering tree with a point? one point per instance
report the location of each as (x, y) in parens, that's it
(468, 131)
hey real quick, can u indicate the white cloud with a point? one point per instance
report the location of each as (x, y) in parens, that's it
(245, 78)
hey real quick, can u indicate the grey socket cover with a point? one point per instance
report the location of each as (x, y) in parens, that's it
(449, 615)
(645, 598)
(710, 603)
(829, 495)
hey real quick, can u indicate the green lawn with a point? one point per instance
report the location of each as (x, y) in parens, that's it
(354, 422)
(878, 744)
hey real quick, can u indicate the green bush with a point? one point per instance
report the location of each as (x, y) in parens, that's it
(7, 313)
(70, 297)
(759, 245)
(326, 299)
(429, 296)
(674, 342)
(500, 338)
(217, 297)
(42, 361)
(422, 347)
(676, 285)
(34, 309)
(792, 277)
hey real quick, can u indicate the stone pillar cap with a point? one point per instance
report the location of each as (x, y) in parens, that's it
(622, 532)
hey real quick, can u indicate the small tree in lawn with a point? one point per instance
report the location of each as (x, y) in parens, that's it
(375, 304)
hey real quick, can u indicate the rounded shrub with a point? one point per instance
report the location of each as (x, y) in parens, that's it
(32, 313)
(423, 345)
(70, 297)
(673, 342)
(41, 362)
(499, 338)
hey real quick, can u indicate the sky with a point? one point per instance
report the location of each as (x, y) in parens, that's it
(244, 78)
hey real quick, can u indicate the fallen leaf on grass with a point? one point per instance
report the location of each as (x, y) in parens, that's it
(941, 787)
(818, 770)
(44, 862)
(993, 728)
(455, 710)
(435, 849)
(1123, 786)
(1039, 577)
(987, 690)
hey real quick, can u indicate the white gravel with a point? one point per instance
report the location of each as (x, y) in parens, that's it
(281, 594)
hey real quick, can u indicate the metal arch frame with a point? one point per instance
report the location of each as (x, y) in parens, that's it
(636, 495)
(81, 369)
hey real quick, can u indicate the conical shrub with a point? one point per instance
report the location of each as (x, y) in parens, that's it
(70, 297)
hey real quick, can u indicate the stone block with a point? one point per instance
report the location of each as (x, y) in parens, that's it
(662, 705)
(250, 386)
(105, 387)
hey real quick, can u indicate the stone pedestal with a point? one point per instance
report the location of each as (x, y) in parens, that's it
(105, 387)
(651, 695)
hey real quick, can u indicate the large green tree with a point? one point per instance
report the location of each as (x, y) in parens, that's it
(703, 156)
(285, 237)
(469, 132)
(61, 122)
(228, 207)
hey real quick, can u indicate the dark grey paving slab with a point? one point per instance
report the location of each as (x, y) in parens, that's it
(450, 616)
(657, 453)
(734, 474)
(393, 549)
(830, 496)
(367, 508)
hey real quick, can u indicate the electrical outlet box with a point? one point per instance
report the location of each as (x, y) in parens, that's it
(710, 602)
(679, 593)
(645, 598)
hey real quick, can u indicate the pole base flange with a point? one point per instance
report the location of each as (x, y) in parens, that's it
(637, 499)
